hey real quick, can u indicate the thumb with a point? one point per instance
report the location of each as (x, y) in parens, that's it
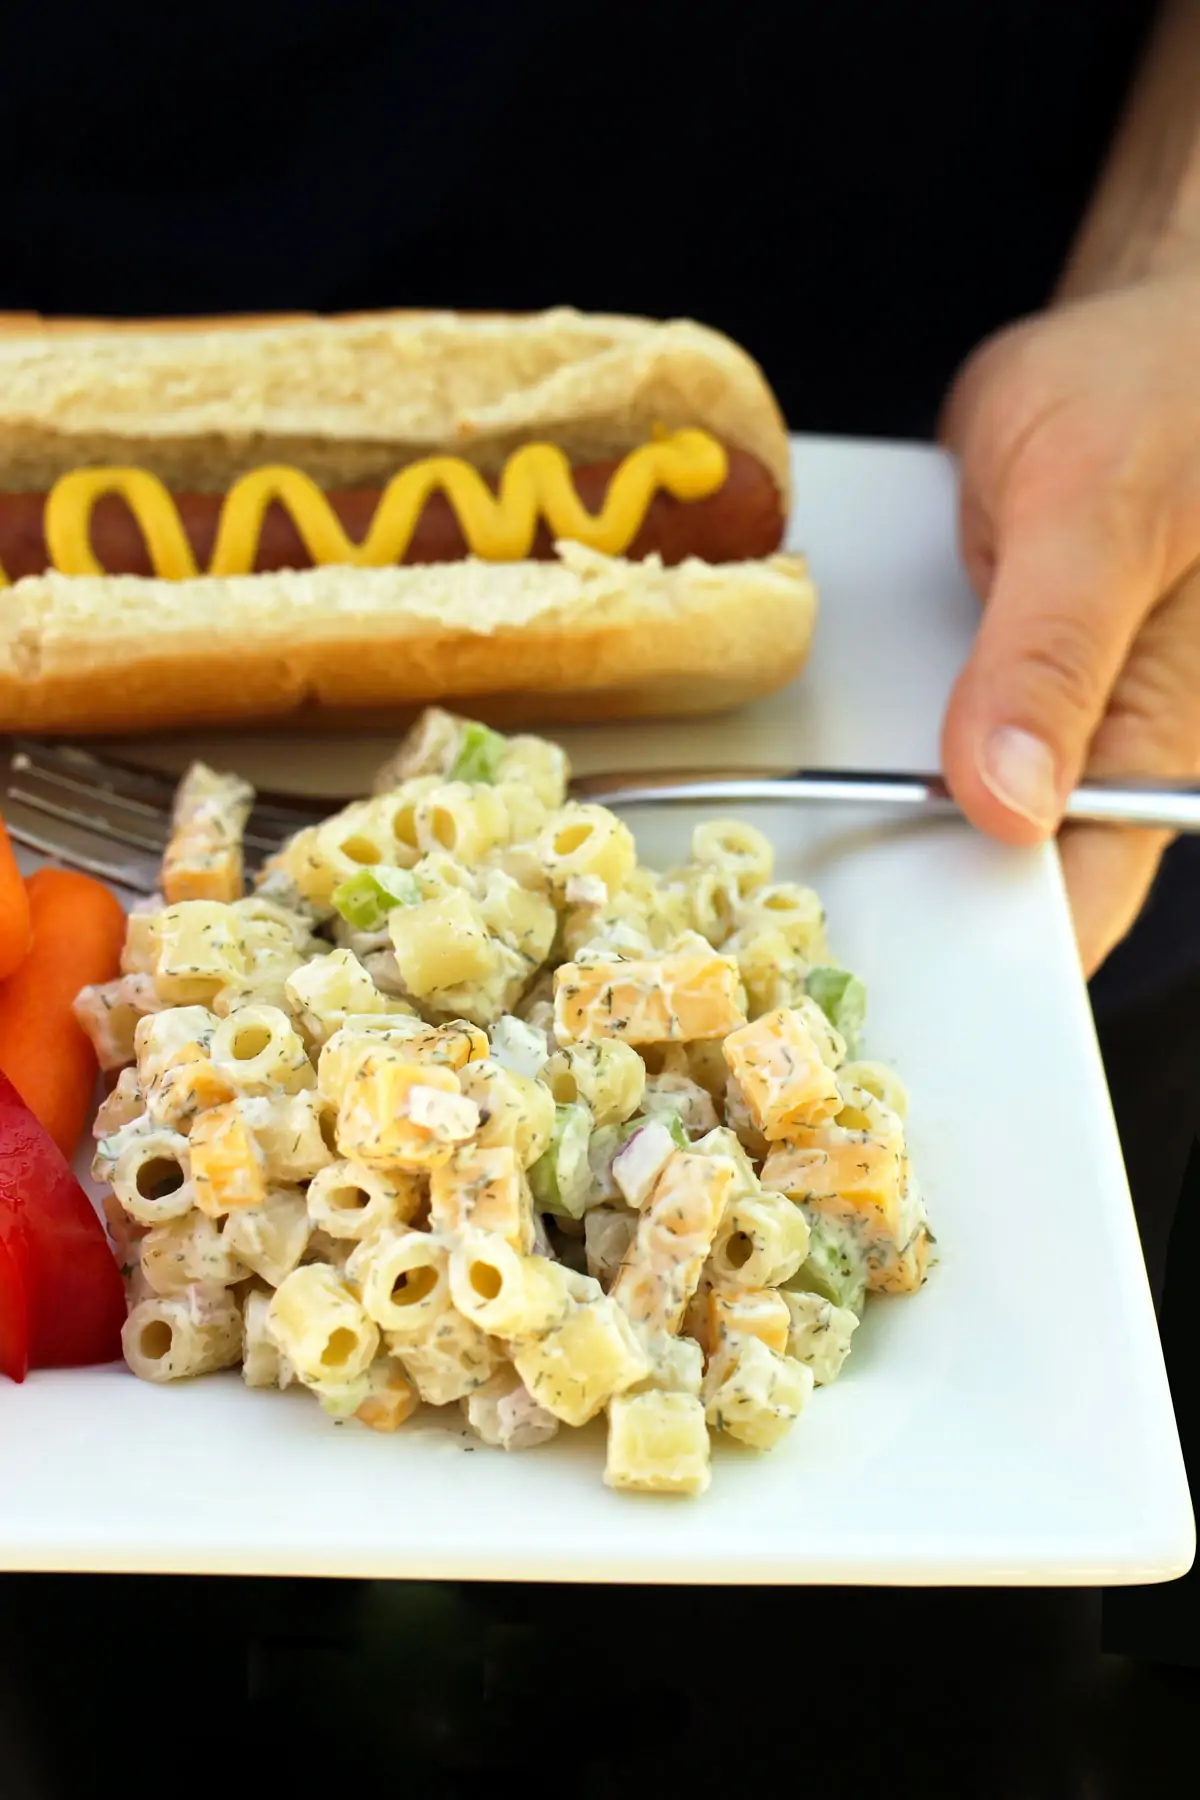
(1072, 584)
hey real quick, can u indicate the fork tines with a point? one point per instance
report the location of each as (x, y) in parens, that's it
(112, 819)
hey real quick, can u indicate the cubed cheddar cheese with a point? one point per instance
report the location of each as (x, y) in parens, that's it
(454, 1045)
(677, 998)
(190, 1087)
(674, 1234)
(865, 1184)
(203, 860)
(748, 1312)
(228, 1166)
(397, 1114)
(391, 1397)
(777, 1064)
(198, 869)
(481, 1189)
(760, 1313)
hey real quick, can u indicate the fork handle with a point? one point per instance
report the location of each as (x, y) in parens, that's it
(1164, 803)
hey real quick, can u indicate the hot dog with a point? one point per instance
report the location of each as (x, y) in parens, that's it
(743, 519)
(185, 454)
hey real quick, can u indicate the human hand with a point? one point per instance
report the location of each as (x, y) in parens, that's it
(1078, 433)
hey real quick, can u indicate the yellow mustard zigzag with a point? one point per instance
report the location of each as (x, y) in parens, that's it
(536, 483)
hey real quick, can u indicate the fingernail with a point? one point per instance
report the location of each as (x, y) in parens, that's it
(1019, 770)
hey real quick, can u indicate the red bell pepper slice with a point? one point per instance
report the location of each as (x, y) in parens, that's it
(14, 1320)
(62, 1300)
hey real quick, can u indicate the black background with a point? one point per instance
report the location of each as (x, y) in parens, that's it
(858, 191)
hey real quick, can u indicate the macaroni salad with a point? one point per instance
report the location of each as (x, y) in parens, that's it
(462, 1106)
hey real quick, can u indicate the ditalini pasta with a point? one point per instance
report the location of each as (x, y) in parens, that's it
(461, 1107)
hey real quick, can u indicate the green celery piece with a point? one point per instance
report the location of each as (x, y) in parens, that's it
(562, 1174)
(603, 1145)
(842, 997)
(366, 899)
(479, 754)
(835, 1268)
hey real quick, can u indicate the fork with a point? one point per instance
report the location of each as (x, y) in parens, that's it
(113, 820)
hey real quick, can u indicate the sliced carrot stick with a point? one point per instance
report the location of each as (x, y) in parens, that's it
(78, 931)
(15, 933)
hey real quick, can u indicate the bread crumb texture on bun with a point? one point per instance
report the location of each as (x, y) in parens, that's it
(349, 399)
(583, 638)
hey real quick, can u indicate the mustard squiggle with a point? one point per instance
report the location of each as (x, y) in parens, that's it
(536, 484)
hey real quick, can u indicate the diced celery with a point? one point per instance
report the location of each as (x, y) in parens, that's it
(479, 754)
(605, 1142)
(561, 1178)
(836, 1265)
(366, 899)
(842, 997)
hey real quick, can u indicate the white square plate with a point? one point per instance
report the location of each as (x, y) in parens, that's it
(1011, 1424)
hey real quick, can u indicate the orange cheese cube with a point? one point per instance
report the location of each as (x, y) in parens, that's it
(679, 998)
(189, 1088)
(748, 1312)
(203, 860)
(662, 1267)
(455, 1044)
(228, 1166)
(779, 1071)
(397, 1114)
(480, 1188)
(391, 1401)
(196, 870)
(733, 1317)
(864, 1183)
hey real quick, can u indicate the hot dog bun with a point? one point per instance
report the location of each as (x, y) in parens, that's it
(349, 399)
(583, 638)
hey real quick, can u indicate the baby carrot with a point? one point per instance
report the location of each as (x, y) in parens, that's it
(15, 934)
(78, 931)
